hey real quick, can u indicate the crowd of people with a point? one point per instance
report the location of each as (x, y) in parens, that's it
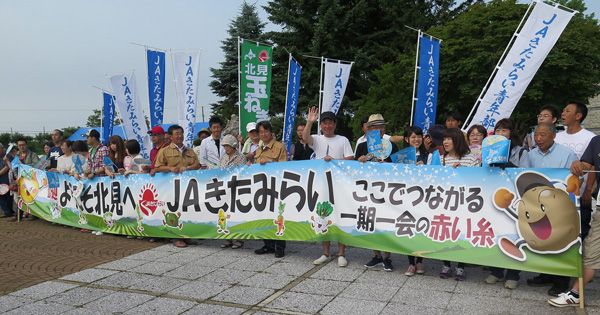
(575, 148)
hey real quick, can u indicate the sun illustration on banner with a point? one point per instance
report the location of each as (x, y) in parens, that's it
(149, 200)
(263, 56)
(321, 223)
(547, 219)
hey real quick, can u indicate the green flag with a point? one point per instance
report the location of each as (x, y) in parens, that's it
(255, 83)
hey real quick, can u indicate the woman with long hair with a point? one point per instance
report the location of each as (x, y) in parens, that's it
(116, 153)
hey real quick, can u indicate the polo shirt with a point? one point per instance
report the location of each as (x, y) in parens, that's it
(558, 156)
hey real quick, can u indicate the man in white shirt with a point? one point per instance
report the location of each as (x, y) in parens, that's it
(211, 149)
(577, 139)
(328, 146)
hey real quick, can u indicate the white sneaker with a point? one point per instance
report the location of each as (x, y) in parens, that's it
(321, 260)
(94, 232)
(342, 262)
(98, 233)
(564, 299)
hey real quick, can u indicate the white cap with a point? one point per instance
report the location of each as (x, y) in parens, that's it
(250, 126)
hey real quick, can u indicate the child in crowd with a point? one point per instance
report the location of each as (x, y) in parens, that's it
(131, 162)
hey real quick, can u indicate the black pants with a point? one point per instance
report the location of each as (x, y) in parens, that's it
(274, 244)
(586, 218)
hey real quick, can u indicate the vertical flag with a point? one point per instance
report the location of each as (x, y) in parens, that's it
(134, 123)
(156, 85)
(291, 103)
(334, 85)
(255, 82)
(186, 65)
(544, 26)
(108, 118)
(429, 60)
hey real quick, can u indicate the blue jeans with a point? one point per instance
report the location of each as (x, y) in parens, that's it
(510, 274)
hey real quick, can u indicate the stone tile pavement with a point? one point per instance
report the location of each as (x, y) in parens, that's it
(205, 279)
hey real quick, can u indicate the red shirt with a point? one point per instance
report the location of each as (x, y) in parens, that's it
(154, 153)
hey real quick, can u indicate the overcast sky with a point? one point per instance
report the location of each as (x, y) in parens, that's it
(55, 51)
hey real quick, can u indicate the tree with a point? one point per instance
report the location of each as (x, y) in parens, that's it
(246, 25)
(95, 119)
(472, 45)
(369, 32)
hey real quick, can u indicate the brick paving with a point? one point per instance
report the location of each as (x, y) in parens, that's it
(32, 252)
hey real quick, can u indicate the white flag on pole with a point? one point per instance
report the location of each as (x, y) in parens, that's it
(334, 85)
(537, 37)
(134, 121)
(186, 65)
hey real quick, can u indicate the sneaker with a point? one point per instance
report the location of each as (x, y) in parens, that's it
(445, 273)
(131, 237)
(511, 284)
(374, 262)
(491, 279)
(94, 232)
(556, 290)
(387, 265)
(98, 233)
(321, 260)
(420, 269)
(410, 271)
(85, 231)
(564, 299)
(342, 262)
(459, 274)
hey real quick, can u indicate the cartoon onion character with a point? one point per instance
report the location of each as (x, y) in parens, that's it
(547, 219)
(321, 223)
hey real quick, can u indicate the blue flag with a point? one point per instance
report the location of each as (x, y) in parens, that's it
(53, 181)
(435, 158)
(156, 85)
(109, 117)
(496, 149)
(405, 156)
(78, 161)
(374, 141)
(427, 89)
(291, 103)
(109, 163)
(15, 162)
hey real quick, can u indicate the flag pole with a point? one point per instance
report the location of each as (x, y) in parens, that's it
(287, 93)
(417, 67)
(239, 85)
(323, 60)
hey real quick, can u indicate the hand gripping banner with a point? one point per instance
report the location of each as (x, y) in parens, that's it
(525, 219)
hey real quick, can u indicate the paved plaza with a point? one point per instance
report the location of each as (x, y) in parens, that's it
(205, 279)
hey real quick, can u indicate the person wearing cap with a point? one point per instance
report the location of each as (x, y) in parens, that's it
(177, 158)
(157, 136)
(434, 140)
(211, 148)
(376, 122)
(328, 146)
(5, 200)
(202, 134)
(271, 151)
(252, 143)
(96, 153)
(231, 158)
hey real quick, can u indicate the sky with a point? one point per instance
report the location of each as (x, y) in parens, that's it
(55, 54)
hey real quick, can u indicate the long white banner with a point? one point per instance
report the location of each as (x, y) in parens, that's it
(334, 85)
(134, 122)
(186, 65)
(534, 42)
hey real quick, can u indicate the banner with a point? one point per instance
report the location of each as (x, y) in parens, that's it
(108, 118)
(134, 121)
(156, 85)
(429, 63)
(533, 43)
(255, 83)
(502, 219)
(186, 65)
(291, 103)
(334, 85)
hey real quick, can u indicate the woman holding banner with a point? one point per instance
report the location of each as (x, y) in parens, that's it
(457, 154)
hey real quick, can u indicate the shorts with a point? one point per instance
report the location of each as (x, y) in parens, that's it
(591, 245)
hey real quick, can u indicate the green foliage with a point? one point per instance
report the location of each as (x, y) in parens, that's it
(324, 209)
(95, 119)
(246, 25)
(369, 32)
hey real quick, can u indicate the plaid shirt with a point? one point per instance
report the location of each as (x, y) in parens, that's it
(96, 161)
(237, 160)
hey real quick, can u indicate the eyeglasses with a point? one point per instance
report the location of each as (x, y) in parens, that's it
(544, 115)
(475, 135)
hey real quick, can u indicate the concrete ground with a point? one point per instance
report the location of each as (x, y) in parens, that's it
(204, 279)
